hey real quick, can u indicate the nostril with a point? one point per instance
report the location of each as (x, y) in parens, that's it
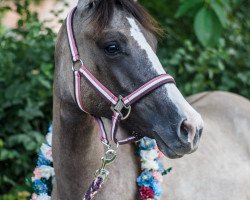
(187, 132)
(200, 132)
(184, 131)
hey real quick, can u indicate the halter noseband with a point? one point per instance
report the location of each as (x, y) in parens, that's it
(118, 104)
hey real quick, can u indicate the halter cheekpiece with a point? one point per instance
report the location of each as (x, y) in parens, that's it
(118, 104)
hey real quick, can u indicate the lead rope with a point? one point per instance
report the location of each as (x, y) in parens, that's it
(118, 106)
(95, 186)
(101, 174)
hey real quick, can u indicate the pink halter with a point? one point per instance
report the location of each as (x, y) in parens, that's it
(118, 104)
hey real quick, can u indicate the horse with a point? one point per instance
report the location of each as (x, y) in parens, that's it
(220, 169)
(116, 40)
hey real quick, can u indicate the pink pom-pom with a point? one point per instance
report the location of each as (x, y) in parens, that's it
(37, 173)
(157, 176)
(160, 154)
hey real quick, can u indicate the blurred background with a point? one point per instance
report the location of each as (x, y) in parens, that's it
(206, 47)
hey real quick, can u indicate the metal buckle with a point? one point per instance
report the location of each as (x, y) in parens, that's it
(74, 64)
(121, 106)
(109, 157)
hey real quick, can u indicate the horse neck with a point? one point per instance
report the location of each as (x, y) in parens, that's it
(75, 148)
(77, 151)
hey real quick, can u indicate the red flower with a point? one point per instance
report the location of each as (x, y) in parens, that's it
(146, 193)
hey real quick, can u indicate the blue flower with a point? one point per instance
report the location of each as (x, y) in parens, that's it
(161, 166)
(50, 129)
(156, 188)
(40, 187)
(42, 160)
(147, 143)
(145, 179)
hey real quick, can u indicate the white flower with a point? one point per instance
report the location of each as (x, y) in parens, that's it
(46, 171)
(47, 152)
(149, 155)
(49, 138)
(34, 196)
(43, 197)
(149, 165)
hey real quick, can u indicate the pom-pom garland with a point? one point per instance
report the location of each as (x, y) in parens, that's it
(44, 172)
(148, 181)
(152, 170)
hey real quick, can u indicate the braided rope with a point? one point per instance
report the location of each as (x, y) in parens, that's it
(93, 189)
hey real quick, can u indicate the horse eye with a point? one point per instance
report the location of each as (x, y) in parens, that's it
(112, 49)
(91, 5)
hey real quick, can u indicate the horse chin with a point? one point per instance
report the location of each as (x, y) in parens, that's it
(165, 149)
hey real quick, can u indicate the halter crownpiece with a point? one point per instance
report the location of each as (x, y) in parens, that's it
(118, 105)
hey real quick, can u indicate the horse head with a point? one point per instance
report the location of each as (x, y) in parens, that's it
(117, 42)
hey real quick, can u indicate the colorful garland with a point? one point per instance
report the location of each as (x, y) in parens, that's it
(148, 181)
(44, 172)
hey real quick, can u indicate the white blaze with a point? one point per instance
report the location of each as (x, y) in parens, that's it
(173, 93)
(142, 42)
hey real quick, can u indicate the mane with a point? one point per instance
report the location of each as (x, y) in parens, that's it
(103, 11)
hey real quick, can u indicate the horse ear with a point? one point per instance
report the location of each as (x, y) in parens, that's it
(84, 3)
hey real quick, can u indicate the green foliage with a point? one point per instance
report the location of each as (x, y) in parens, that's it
(197, 67)
(188, 5)
(26, 66)
(210, 17)
(167, 171)
(207, 27)
(20, 196)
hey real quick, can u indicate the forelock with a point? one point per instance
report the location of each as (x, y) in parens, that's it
(102, 12)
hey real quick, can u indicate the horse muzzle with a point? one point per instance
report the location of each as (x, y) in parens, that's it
(183, 141)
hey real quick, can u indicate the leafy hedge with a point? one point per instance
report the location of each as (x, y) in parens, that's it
(26, 64)
(200, 57)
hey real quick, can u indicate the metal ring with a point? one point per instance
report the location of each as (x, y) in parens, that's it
(74, 63)
(129, 111)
